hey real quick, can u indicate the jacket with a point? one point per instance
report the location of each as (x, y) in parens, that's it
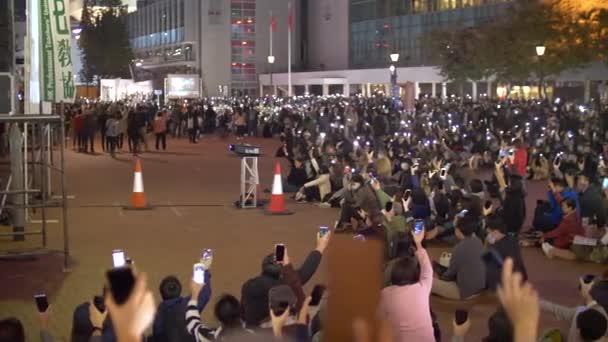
(160, 125)
(297, 177)
(467, 267)
(365, 198)
(408, 308)
(555, 200)
(323, 183)
(564, 233)
(570, 314)
(592, 203)
(254, 293)
(507, 247)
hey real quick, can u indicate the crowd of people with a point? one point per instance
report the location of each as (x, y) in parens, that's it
(451, 171)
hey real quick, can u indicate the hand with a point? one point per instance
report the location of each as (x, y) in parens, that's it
(134, 316)
(44, 318)
(303, 314)
(286, 261)
(96, 317)
(195, 289)
(322, 242)
(488, 211)
(520, 301)
(462, 329)
(375, 184)
(278, 322)
(207, 262)
(418, 238)
(432, 173)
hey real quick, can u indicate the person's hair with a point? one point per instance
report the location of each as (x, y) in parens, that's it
(494, 222)
(358, 179)
(228, 311)
(570, 202)
(406, 271)
(500, 328)
(11, 330)
(559, 182)
(518, 143)
(591, 325)
(170, 288)
(467, 225)
(476, 186)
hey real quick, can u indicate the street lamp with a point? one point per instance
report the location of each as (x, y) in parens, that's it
(540, 51)
(271, 62)
(393, 71)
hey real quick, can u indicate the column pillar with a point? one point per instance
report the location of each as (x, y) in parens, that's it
(387, 89)
(433, 90)
(587, 90)
(416, 90)
(444, 90)
(489, 89)
(368, 86)
(346, 89)
(325, 89)
(474, 91)
(306, 89)
(274, 90)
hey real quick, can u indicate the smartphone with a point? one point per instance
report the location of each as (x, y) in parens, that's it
(389, 206)
(588, 278)
(323, 230)
(493, 257)
(42, 302)
(557, 160)
(198, 274)
(406, 194)
(418, 226)
(488, 205)
(443, 173)
(207, 254)
(462, 213)
(605, 183)
(511, 152)
(317, 294)
(461, 316)
(279, 252)
(121, 281)
(99, 303)
(502, 153)
(118, 258)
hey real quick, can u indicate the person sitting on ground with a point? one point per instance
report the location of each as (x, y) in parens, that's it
(551, 217)
(254, 293)
(296, 178)
(505, 246)
(11, 329)
(318, 189)
(557, 242)
(590, 297)
(406, 302)
(591, 325)
(466, 274)
(590, 198)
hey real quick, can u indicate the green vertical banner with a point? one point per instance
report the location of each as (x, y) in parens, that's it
(47, 55)
(56, 59)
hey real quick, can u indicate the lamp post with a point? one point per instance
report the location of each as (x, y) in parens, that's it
(540, 51)
(393, 72)
(271, 62)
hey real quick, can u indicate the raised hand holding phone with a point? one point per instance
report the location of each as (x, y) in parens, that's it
(279, 252)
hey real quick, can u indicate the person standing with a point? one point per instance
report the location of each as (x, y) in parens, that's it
(191, 124)
(101, 121)
(111, 132)
(160, 130)
(133, 133)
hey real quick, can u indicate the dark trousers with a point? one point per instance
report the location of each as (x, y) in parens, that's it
(134, 143)
(112, 142)
(119, 140)
(104, 141)
(161, 138)
(192, 134)
(92, 142)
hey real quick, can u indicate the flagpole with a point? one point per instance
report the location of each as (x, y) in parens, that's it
(271, 28)
(289, 91)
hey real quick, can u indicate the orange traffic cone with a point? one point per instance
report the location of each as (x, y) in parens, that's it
(138, 198)
(277, 201)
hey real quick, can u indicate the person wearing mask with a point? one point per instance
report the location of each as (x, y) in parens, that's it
(254, 293)
(590, 199)
(406, 302)
(557, 242)
(501, 245)
(160, 130)
(466, 274)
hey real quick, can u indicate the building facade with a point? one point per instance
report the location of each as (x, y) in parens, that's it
(225, 42)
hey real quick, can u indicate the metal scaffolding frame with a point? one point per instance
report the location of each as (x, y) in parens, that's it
(249, 182)
(37, 133)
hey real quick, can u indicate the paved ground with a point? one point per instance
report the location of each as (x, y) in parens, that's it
(195, 184)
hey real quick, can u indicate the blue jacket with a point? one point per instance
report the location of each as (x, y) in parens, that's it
(171, 314)
(555, 213)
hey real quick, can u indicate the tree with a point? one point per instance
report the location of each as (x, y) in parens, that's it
(104, 42)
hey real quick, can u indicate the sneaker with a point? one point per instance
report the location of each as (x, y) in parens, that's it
(324, 205)
(547, 249)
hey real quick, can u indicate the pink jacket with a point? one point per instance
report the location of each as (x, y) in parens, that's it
(160, 124)
(407, 307)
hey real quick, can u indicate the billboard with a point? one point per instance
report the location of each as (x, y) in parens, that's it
(182, 86)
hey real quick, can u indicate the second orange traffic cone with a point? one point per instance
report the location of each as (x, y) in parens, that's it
(138, 198)
(277, 199)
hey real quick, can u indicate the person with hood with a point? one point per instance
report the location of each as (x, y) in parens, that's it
(170, 320)
(254, 293)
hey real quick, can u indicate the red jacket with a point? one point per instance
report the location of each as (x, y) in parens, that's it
(520, 161)
(564, 234)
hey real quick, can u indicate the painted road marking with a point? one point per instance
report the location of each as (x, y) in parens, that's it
(47, 221)
(174, 210)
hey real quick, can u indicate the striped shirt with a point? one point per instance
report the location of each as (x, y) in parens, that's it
(200, 332)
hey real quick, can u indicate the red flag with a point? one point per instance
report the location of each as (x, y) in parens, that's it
(273, 24)
(290, 17)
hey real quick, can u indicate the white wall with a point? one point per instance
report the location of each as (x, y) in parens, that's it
(328, 34)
